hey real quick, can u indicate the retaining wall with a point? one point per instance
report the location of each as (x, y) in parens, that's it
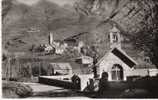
(59, 83)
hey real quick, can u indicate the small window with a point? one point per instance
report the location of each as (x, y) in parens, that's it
(115, 38)
(147, 60)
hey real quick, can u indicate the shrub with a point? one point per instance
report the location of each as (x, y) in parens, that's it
(23, 90)
(13, 89)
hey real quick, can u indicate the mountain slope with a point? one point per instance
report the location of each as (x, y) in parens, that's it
(22, 18)
(64, 21)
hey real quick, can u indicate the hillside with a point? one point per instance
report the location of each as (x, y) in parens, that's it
(65, 21)
(22, 18)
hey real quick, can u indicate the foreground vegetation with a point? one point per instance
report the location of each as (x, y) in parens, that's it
(15, 90)
(145, 87)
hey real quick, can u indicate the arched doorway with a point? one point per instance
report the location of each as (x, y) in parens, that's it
(117, 72)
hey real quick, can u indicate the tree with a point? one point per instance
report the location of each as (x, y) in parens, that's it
(92, 52)
(146, 39)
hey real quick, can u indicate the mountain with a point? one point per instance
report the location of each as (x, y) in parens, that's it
(21, 18)
(66, 21)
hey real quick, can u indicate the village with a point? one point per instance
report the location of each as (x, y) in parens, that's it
(122, 65)
(79, 49)
(82, 72)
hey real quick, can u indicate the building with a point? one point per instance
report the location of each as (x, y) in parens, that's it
(120, 60)
(63, 71)
(117, 64)
(120, 65)
(60, 68)
(58, 45)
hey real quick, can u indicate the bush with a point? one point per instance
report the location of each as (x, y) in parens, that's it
(13, 89)
(23, 90)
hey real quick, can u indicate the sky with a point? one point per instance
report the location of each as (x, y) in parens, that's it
(59, 2)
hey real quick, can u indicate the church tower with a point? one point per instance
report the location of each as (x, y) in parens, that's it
(50, 38)
(115, 38)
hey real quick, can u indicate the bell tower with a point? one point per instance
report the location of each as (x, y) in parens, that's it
(51, 40)
(115, 38)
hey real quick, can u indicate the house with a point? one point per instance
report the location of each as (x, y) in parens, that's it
(58, 45)
(84, 60)
(47, 48)
(64, 71)
(76, 42)
(77, 39)
(120, 65)
(60, 68)
(69, 68)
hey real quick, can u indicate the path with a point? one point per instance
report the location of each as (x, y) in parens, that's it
(46, 91)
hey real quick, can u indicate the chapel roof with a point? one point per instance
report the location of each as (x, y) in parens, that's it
(121, 55)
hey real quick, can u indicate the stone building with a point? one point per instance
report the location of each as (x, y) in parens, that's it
(58, 45)
(120, 64)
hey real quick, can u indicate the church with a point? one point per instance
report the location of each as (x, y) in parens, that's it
(120, 62)
(120, 65)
